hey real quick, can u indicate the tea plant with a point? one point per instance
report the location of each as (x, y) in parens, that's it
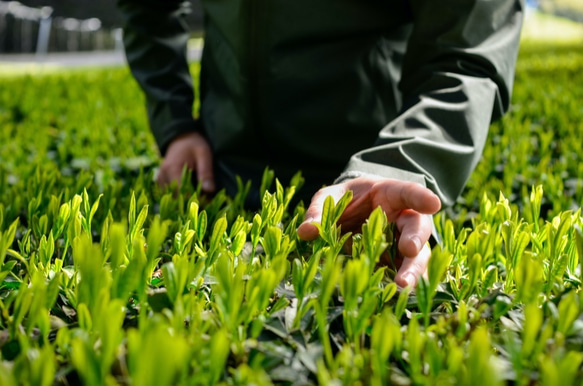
(106, 278)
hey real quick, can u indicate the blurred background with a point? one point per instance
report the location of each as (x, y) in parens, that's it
(32, 30)
(39, 26)
(570, 9)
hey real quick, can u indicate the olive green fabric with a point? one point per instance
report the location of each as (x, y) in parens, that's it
(336, 88)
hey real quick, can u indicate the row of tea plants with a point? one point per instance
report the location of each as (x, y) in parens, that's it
(106, 278)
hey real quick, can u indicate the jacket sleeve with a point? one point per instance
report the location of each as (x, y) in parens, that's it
(456, 77)
(155, 39)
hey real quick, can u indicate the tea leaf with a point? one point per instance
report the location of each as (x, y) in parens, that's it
(6, 239)
(568, 312)
(238, 243)
(402, 302)
(218, 355)
(272, 241)
(533, 319)
(218, 232)
(479, 361)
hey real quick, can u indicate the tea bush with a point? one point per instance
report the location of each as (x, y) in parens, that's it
(106, 278)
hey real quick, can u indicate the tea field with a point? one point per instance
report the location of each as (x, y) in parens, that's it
(106, 278)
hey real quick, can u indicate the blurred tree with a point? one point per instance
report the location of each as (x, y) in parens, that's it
(104, 10)
(570, 9)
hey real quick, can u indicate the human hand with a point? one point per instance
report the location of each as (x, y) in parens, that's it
(192, 150)
(407, 204)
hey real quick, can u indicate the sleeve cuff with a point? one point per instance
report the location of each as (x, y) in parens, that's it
(357, 168)
(174, 129)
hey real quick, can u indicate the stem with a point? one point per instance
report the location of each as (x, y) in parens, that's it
(324, 337)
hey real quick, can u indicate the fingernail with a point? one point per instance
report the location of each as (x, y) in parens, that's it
(208, 186)
(409, 278)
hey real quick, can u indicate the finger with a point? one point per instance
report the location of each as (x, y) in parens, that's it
(415, 229)
(204, 169)
(308, 231)
(394, 196)
(167, 174)
(174, 174)
(357, 212)
(412, 268)
(161, 178)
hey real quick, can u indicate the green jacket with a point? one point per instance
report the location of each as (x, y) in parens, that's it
(336, 88)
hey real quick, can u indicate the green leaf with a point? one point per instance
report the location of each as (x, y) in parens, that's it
(341, 205)
(266, 181)
(438, 265)
(156, 236)
(6, 240)
(239, 225)
(479, 363)
(153, 348)
(327, 214)
(193, 214)
(298, 278)
(132, 211)
(373, 236)
(490, 277)
(136, 229)
(117, 245)
(202, 226)
(219, 230)
(46, 250)
(402, 302)
(94, 208)
(354, 281)
(579, 243)
(568, 312)
(85, 359)
(533, 319)
(474, 273)
(238, 243)
(5, 271)
(534, 204)
(175, 278)
(415, 340)
(272, 241)
(529, 278)
(330, 276)
(388, 292)
(42, 366)
(219, 352)
(84, 317)
(424, 298)
(53, 289)
(384, 330)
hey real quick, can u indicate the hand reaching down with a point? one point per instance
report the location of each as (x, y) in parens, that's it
(407, 204)
(192, 150)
